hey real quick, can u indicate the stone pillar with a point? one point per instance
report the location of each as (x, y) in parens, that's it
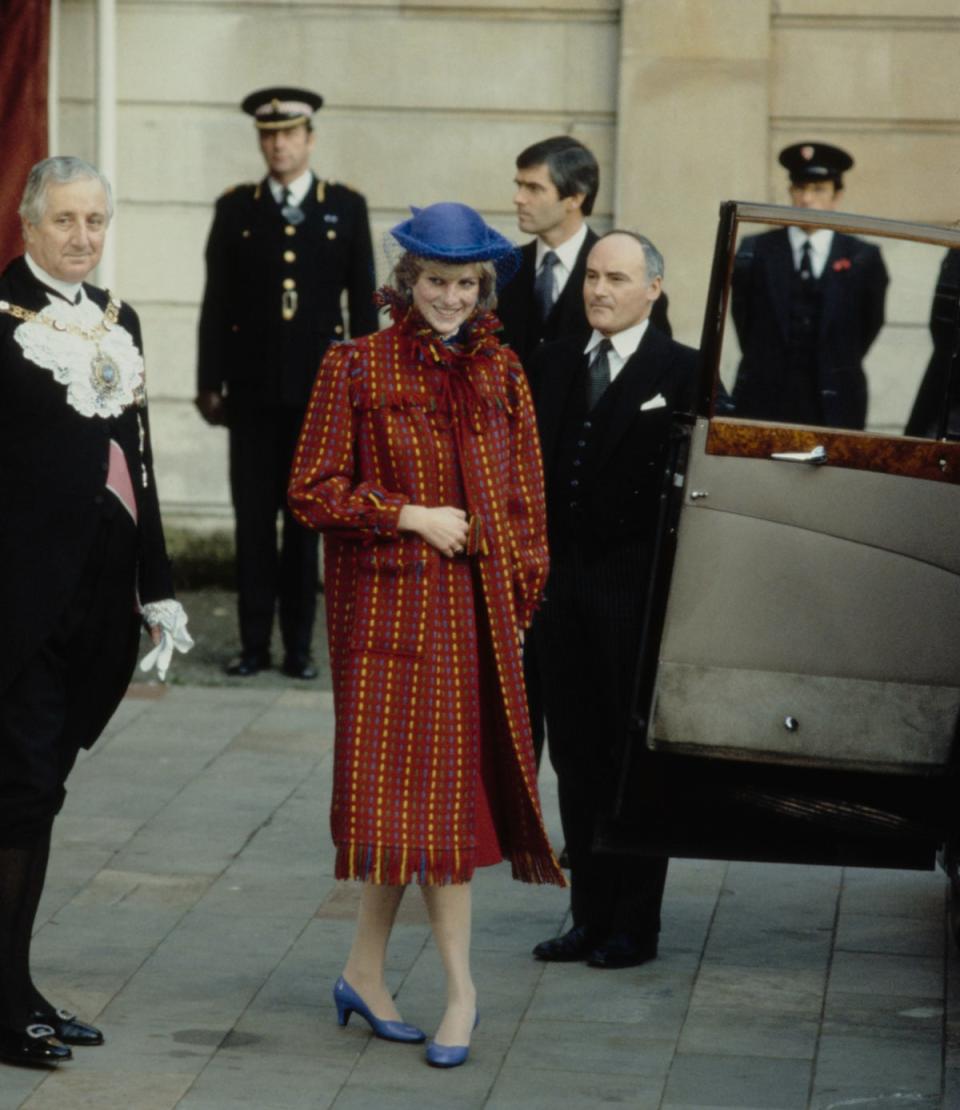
(693, 126)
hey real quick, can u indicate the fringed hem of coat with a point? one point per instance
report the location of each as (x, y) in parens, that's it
(392, 866)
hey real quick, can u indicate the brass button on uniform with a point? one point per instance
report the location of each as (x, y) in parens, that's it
(245, 233)
(338, 330)
(289, 283)
(290, 230)
(289, 256)
(331, 234)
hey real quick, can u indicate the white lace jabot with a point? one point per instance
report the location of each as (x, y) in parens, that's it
(97, 361)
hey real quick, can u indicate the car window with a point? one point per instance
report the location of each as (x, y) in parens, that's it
(827, 328)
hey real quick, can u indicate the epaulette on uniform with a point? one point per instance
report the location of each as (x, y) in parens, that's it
(242, 185)
(341, 185)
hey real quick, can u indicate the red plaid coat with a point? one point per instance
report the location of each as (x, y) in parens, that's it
(425, 651)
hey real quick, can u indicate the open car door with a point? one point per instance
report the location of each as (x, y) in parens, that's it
(798, 694)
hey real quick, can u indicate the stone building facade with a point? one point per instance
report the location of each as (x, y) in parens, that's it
(686, 103)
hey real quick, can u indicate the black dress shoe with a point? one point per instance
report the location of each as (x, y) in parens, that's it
(69, 1029)
(249, 664)
(572, 945)
(295, 666)
(621, 950)
(35, 1046)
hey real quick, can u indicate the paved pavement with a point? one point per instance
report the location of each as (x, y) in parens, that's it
(192, 911)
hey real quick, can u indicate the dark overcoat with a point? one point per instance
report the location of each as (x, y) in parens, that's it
(853, 289)
(368, 448)
(53, 469)
(619, 485)
(605, 473)
(937, 387)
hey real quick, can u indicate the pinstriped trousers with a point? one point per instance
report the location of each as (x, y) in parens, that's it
(587, 635)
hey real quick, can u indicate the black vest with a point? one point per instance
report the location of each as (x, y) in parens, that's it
(800, 396)
(582, 435)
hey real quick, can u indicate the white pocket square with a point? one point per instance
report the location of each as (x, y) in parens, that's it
(657, 402)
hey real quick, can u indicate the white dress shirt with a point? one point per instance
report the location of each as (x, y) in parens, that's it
(298, 188)
(67, 289)
(820, 242)
(624, 343)
(566, 258)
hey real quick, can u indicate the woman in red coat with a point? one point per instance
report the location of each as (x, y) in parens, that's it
(419, 460)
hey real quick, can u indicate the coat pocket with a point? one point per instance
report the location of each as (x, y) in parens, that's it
(392, 601)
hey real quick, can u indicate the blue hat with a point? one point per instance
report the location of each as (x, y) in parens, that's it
(451, 232)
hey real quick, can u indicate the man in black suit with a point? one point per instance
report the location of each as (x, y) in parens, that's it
(279, 257)
(807, 305)
(604, 409)
(82, 559)
(557, 181)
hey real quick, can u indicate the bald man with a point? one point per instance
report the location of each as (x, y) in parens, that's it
(604, 409)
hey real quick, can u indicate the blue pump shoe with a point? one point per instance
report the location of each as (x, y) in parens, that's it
(349, 1002)
(449, 1055)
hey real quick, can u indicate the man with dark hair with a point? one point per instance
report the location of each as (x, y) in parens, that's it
(807, 305)
(557, 181)
(280, 255)
(604, 408)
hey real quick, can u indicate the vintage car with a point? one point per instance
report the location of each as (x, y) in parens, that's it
(798, 692)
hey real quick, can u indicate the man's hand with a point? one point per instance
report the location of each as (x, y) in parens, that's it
(211, 406)
(444, 528)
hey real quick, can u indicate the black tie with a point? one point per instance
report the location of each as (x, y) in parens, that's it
(599, 377)
(806, 270)
(291, 211)
(543, 286)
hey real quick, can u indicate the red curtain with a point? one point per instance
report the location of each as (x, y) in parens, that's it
(24, 45)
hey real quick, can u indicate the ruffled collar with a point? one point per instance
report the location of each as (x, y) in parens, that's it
(476, 338)
(465, 390)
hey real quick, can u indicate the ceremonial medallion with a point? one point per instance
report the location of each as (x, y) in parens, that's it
(105, 375)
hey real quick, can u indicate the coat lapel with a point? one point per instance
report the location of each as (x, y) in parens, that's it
(781, 277)
(266, 207)
(28, 291)
(310, 199)
(831, 279)
(571, 297)
(556, 383)
(641, 379)
(526, 273)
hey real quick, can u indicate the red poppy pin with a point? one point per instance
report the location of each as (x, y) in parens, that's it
(842, 264)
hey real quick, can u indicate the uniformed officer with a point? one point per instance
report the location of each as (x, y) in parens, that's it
(807, 304)
(279, 257)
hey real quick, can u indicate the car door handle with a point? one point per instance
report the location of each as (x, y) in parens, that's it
(815, 457)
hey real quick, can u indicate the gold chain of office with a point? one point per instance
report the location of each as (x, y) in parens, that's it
(110, 316)
(105, 374)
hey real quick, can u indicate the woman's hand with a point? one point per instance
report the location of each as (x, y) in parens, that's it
(444, 527)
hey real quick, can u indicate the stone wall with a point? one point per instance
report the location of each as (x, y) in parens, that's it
(686, 103)
(424, 101)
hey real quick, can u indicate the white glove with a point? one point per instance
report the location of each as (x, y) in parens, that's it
(171, 618)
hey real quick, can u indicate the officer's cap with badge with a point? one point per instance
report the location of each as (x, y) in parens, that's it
(815, 162)
(277, 109)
